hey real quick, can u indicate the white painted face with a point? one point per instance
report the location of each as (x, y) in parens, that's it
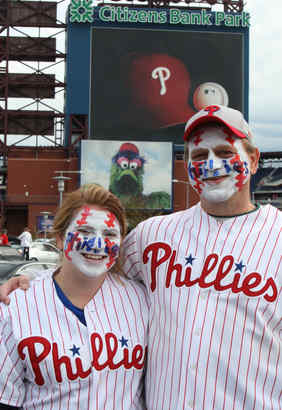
(92, 241)
(218, 165)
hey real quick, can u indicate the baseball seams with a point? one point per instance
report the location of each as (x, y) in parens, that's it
(215, 311)
(67, 365)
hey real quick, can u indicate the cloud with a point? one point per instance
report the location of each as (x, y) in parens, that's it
(265, 76)
(268, 136)
(265, 73)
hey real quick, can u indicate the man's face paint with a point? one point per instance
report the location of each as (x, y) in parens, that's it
(218, 165)
(92, 241)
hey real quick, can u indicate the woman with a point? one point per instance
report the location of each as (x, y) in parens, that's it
(76, 339)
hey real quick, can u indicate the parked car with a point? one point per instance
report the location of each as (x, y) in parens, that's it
(44, 252)
(9, 253)
(46, 240)
(8, 269)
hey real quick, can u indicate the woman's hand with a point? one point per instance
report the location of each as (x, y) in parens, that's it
(12, 284)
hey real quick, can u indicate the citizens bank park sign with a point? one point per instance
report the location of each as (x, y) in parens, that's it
(83, 11)
(138, 73)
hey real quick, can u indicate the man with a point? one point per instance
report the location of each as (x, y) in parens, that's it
(26, 240)
(213, 276)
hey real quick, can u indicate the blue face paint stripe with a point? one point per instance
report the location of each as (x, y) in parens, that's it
(78, 246)
(69, 238)
(90, 244)
(84, 243)
(207, 167)
(190, 170)
(226, 166)
(94, 244)
(87, 244)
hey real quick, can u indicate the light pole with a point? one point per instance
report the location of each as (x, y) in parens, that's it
(61, 181)
(45, 217)
(179, 180)
(61, 185)
(187, 189)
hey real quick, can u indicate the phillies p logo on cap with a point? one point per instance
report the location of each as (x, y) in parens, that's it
(231, 118)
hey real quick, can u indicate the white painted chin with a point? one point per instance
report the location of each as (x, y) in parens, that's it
(92, 267)
(217, 193)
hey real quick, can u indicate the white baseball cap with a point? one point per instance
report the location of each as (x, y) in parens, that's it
(232, 119)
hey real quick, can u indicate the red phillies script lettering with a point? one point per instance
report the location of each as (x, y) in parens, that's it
(114, 358)
(251, 285)
(156, 261)
(46, 347)
(35, 358)
(65, 360)
(137, 359)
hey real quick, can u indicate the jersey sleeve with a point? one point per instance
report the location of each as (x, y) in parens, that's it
(131, 256)
(12, 389)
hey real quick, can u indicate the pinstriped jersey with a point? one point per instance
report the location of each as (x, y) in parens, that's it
(50, 360)
(215, 309)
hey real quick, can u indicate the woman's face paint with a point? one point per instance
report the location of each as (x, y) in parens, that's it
(92, 241)
(218, 165)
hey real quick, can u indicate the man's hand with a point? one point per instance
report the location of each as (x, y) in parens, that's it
(14, 283)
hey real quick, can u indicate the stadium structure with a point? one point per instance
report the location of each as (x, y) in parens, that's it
(44, 118)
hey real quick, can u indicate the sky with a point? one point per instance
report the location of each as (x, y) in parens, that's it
(265, 109)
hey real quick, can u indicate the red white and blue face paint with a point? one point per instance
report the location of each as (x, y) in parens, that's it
(218, 165)
(92, 241)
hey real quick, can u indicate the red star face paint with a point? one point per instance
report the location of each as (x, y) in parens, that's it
(92, 241)
(218, 164)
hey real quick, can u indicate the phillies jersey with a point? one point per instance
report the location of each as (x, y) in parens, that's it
(50, 360)
(215, 311)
